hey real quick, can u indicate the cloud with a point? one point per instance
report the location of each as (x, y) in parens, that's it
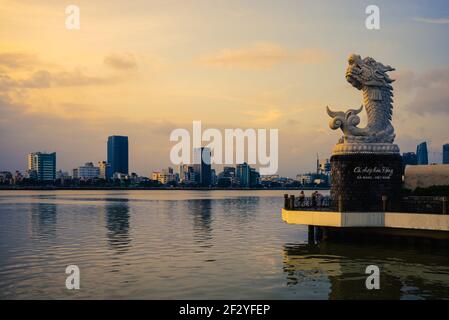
(37, 74)
(430, 90)
(17, 60)
(263, 55)
(121, 61)
(47, 79)
(264, 116)
(432, 21)
(432, 100)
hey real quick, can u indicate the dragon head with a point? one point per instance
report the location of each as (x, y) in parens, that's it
(367, 72)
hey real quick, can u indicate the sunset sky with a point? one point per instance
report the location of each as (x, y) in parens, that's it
(142, 68)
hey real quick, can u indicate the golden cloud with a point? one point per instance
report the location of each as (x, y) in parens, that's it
(264, 55)
(264, 116)
(121, 61)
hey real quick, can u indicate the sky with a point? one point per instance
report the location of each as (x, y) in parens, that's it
(144, 68)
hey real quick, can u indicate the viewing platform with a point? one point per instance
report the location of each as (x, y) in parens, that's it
(423, 217)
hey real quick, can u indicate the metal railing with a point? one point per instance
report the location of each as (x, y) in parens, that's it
(411, 204)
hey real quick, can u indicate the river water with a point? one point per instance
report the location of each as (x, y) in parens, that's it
(192, 245)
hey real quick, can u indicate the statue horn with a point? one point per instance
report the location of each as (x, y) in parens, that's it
(359, 110)
(330, 112)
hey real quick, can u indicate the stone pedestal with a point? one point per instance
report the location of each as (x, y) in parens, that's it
(361, 179)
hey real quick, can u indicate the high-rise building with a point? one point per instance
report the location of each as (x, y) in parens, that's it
(105, 170)
(421, 153)
(446, 153)
(213, 177)
(187, 175)
(118, 154)
(44, 164)
(254, 177)
(202, 166)
(183, 172)
(242, 173)
(409, 158)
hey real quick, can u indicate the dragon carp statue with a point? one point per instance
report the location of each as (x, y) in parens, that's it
(366, 167)
(371, 78)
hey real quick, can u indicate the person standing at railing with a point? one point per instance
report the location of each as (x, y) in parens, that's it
(319, 199)
(301, 198)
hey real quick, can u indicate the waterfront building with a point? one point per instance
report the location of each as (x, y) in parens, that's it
(62, 177)
(227, 177)
(167, 176)
(446, 153)
(88, 171)
(229, 172)
(269, 178)
(305, 179)
(118, 154)
(155, 175)
(243, 175)
(75, 173)
(202, 166)
(135, 179)
(422, 154)
(44, 164)
(105, 170)
(17, 177)
(409, 158)
(31, 174)
(213, 177)
(184, 171)
(254, 178)
(164, 176)
(5, 177)
(187, 174)
(324, 166)
(120, 176)
(62, 174)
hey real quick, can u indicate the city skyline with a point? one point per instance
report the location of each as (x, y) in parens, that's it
(65, 90)
(107, 170)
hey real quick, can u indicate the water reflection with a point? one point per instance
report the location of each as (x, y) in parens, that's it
(405, 272)
(43, 220)
(243, 209)
(117, 225)
(202, 220)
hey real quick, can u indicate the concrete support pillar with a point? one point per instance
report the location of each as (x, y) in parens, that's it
(286, 203)
(292, 202)
(311, 235)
